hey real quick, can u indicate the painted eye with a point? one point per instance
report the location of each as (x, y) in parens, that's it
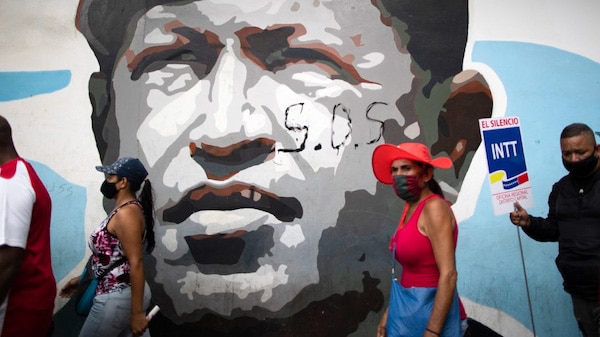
(271, 50)
(200, 53)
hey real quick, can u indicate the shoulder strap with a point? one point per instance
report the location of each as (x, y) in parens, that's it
(394, 260)
(133, 201)
(124, 258)
(111, 267)
(403, 217)
(114, 211)
(393, 242)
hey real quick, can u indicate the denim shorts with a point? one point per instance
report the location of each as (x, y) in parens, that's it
(111, 313)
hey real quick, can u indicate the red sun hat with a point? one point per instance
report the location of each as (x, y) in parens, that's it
(385, 154)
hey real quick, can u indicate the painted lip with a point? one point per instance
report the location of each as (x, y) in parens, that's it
(236, 196)
(226, 254)
(237, 252)
(221, 163)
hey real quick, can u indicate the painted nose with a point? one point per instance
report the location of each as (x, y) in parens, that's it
(229, 89)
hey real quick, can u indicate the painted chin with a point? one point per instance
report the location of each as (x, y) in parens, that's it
(258, 268)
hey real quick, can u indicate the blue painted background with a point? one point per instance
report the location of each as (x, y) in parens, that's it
(547, 88)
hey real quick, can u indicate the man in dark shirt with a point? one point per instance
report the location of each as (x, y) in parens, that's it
(574, 221)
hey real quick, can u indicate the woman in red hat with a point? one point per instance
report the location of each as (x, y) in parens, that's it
(425, 301)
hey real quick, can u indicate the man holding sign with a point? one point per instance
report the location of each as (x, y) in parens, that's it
(574, 221)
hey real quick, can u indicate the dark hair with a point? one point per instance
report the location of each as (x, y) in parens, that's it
(577, 129)
(147, 200)
(5, 133)
(433, 185)
(148, 205)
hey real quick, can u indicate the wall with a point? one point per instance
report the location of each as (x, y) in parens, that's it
(311, 257)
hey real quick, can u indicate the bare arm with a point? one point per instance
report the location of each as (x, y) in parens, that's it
(437, 222)
(11, 259)
(70, 288)
(129, 227)
(381, 332)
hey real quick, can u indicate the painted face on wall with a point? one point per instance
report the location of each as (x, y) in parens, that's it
(253, 123)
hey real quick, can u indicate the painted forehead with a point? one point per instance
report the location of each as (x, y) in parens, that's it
(330, 25)
(349, 42)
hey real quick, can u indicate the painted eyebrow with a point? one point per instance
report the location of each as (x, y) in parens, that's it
(190, 46)
(271, 50)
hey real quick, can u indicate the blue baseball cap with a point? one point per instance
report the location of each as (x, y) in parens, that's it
(130, 168)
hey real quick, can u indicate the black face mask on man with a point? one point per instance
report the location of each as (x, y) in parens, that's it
(583, 167)
(109, 190)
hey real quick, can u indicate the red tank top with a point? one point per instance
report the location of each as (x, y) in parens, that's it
(415, 253)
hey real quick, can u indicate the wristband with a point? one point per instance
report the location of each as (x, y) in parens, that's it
(433, 332)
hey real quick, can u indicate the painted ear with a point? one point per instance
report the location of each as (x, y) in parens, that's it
(100, 99)
(458, 128)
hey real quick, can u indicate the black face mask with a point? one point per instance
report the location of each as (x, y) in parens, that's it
(582, 168)
(109, 190)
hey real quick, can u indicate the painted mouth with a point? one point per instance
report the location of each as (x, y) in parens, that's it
(238, 251)
(227, 253)
(234, 197)
(235, 252)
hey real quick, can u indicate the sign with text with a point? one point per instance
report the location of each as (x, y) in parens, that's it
(507, 172)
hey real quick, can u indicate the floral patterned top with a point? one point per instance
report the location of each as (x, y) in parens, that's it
(107, 251)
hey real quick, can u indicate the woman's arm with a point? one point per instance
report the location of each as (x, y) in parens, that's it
(129, 226)
(437, 222)
(381, 327)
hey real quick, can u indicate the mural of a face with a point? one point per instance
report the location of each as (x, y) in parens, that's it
(254, 123)
(257, 122)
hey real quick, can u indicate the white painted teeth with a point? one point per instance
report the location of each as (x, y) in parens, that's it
(251, 194)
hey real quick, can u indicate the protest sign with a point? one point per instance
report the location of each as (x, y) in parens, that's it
(507, 171)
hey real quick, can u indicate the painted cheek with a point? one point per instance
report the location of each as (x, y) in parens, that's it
(169, 116)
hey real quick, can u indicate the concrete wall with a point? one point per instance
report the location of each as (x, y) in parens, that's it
(301, 108)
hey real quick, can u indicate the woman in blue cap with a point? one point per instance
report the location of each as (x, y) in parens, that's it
(118, 244)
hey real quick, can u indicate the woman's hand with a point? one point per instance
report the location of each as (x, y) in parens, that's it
(70, 288)
(139, 324)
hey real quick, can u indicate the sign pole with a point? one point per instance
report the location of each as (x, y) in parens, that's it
(507, 174)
